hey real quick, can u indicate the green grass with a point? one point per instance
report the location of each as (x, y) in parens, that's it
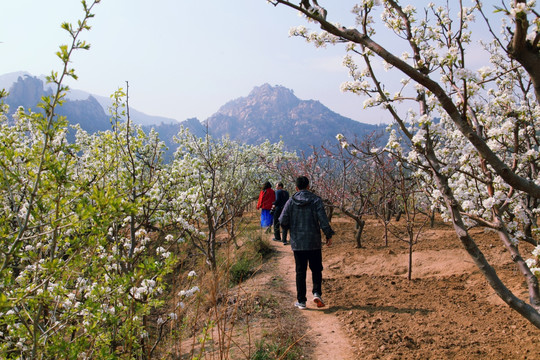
(241, 269)
(255, 251)
(271, 350)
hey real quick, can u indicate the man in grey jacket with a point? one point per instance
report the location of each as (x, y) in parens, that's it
(304, 216)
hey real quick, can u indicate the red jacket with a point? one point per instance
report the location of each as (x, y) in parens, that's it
(266, 198)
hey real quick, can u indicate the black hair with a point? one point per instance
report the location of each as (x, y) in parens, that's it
(280, 184)
(267, 185)
(302, 182)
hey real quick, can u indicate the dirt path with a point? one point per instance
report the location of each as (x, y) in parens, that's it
(325, 332)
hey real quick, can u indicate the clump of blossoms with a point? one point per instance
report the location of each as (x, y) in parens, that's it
(534, 262)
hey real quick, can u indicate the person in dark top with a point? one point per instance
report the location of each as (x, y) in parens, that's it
(282, 196)
(304, 216)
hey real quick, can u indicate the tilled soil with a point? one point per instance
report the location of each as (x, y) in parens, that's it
(447, 310)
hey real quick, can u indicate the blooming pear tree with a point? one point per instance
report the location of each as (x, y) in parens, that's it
(217, 180)
(345, 176)
(387, 202)
(320, 170)
(83, 244)
(409, 196)
(472, 132)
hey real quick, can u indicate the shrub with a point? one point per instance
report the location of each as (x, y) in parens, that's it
(242, 269)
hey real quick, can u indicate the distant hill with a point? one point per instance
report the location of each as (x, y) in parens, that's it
(136, 116)
(27, 91)
(275, 113)
(168, 131)
(27, 85)
(271, 113)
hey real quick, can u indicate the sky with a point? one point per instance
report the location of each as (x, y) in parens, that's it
(183, 58)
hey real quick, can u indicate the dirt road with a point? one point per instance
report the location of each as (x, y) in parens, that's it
(325, 332)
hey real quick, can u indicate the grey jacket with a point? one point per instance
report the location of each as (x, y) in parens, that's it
(304, 216)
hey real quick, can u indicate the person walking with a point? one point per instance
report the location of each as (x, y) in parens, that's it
(304, 216)
(266, 197)
(282, 196)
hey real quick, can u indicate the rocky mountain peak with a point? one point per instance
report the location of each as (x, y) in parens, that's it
(264, 99)
(272, 94)
(26, 92)
(275, 113)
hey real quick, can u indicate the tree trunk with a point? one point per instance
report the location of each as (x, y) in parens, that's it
(329, 213)
(409, 275)
(526, 310)
(360, 228)
(386, 234)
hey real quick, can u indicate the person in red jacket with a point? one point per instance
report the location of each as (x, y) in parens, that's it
(267, 197)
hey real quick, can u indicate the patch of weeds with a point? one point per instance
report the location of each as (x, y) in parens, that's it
(270, 350)
(261, 247)
(257, 250)
(242, 269)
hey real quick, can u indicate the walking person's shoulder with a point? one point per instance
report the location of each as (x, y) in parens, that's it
(316, 199)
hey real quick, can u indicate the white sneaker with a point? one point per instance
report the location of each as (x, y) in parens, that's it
(300, 305)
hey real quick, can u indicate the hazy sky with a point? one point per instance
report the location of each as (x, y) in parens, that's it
(182, 58)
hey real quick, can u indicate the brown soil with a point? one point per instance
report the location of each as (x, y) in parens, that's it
(326, 338)
(447, 310)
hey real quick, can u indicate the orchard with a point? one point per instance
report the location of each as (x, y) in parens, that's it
(96, 234)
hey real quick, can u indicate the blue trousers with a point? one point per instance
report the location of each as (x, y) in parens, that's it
(266, 218)
(302, 259)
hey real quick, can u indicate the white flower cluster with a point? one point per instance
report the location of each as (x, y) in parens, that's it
(318, 39)
(188, 293)
(519, 7)
(163, 252)
(148, 287)
(534, 263)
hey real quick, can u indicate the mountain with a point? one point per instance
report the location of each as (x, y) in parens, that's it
(168, 131)
(271, 113)
(28, 92)
(25, 91)
(275, 113)
(136, 116)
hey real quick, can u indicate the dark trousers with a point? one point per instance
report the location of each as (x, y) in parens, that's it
(302, 259)
(278, 230)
